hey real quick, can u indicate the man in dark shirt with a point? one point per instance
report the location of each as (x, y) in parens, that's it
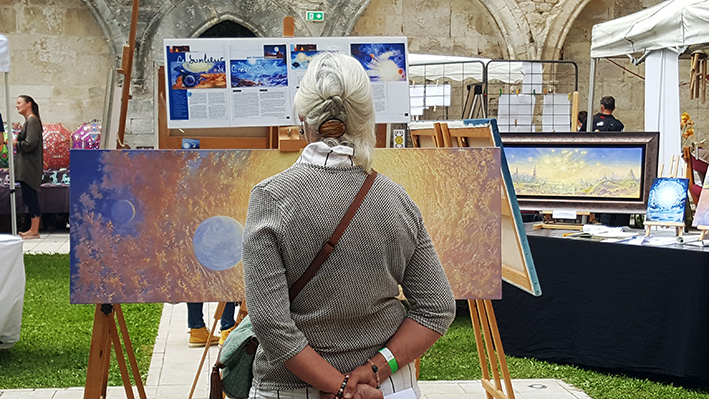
(604, 121)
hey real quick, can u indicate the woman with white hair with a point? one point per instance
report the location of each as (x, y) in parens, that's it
(346, 335)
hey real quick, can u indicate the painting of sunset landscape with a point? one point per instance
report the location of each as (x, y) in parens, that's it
(587, 172)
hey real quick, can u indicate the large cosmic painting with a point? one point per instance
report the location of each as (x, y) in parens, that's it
(167, 225)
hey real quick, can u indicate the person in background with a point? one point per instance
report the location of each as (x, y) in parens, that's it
(346, 333)
(199, 334)
(581, 121)
(29, 162)
(604, 121)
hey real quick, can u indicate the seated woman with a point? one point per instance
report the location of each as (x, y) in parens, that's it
(346, 333)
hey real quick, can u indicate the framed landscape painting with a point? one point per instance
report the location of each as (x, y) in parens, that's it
(592, 172)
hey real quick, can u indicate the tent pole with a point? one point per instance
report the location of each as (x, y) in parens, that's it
(591, 83)
(11, 156)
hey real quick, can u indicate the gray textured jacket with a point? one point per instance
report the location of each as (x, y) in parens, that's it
(349, 310)
(28, 161)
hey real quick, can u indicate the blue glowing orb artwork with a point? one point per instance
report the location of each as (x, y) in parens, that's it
(667, 200)
(217, 242)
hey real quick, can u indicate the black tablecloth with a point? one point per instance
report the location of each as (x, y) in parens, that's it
(53, 196)
(612, 306)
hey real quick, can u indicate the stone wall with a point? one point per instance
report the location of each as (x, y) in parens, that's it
(457, 27)
(58, 56)
(62, 50)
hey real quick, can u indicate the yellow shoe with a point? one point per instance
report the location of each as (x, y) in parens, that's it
(200, 336)
(225, 333)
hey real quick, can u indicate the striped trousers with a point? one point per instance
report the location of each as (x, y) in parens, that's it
(404, 378)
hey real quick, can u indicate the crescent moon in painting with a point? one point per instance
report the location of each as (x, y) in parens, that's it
(122, 212)
(217, 242)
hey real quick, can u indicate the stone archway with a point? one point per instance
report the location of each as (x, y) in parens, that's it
(514, 27)
(559, 28)
(226, 28)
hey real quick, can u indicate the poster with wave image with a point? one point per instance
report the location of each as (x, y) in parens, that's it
(259, 72)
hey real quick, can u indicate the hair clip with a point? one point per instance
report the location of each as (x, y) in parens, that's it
(333, 128)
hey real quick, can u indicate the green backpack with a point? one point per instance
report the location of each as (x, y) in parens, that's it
(236, 360)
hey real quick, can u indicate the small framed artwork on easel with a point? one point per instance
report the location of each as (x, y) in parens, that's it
(667, 201)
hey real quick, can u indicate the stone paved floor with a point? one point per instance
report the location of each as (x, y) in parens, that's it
(174, 365)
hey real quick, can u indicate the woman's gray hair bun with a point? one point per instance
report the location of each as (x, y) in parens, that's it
(336, 88)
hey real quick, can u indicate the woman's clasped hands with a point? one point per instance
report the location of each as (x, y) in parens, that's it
(362, 384)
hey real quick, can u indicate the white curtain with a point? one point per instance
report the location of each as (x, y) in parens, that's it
(662, 104)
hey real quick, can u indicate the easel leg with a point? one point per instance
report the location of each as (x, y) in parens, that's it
(217, 315)
(130, 352)
(484, 322)
(243, 311)
(488, 343)
(99, 355)
(498, 346)
(104, 334)
(118, 348)
(475, 318)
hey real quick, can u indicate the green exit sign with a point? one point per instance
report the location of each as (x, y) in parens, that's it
(314, 16)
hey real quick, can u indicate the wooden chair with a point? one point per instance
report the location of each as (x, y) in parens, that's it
(694, 165)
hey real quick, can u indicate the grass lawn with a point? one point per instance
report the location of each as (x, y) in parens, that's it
(53, 349)
(454, 357)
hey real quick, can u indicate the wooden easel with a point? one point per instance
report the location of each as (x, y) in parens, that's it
(482, 315)
(678, 226)
(105, 335)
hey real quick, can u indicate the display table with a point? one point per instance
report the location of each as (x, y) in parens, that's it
(612, 306)
(53, 196)
(12, 289)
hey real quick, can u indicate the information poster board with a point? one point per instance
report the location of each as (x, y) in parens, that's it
(239, 82)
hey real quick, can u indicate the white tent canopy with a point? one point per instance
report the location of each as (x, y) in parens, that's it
(670, 24)
(433, 67)
(661, 33)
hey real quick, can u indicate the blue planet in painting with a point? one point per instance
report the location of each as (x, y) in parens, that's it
(122, 212)
(217, 242)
